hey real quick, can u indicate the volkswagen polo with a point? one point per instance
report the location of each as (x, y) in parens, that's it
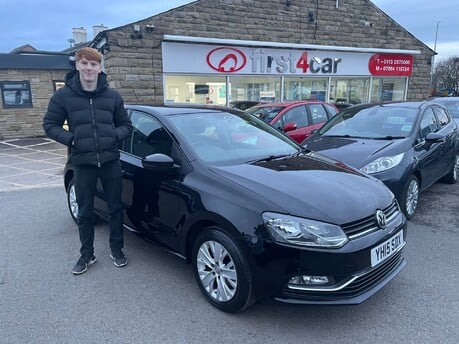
(254, 213)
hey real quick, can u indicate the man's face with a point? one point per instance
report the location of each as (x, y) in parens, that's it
(88, 70)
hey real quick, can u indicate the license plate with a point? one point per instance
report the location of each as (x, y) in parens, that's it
(389, 247)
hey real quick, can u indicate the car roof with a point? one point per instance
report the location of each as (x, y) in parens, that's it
(444, 99)
(401, 103)
(175, 109)
(292, 102)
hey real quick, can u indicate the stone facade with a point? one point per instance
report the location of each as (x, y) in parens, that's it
(134, 64)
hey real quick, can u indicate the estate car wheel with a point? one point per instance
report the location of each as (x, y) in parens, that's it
(410, 197)
(72, 203)
(221, 271)
(451, 177)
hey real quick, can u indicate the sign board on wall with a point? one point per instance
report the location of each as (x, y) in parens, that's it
(242, 60)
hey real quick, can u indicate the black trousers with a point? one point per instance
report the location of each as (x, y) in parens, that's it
(86, 178)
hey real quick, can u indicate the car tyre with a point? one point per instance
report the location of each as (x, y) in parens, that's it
(222, 272)
(72, 203)
(410, 197)
(451, 177)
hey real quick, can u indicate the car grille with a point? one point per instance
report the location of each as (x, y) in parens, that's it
(356, 288)
(368, 225)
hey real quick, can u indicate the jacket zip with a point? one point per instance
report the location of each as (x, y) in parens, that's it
(93, 118)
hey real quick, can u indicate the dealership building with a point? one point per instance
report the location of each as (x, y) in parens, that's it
(219, 51)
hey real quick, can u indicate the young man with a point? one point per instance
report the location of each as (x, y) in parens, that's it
(97, 121)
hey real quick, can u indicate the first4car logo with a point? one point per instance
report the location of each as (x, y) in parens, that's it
(232, 60)
(226, 60)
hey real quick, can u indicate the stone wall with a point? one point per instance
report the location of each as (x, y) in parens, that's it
(134, 65)
(27, 121)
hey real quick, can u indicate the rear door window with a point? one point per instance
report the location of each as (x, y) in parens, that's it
(318, 113)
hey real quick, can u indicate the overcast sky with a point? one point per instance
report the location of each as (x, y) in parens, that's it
(47, 25)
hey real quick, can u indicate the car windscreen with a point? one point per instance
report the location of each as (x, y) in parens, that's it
(265, 113)
(226, 138)
(377, 122)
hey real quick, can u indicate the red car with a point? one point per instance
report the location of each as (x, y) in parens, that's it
(295, 118)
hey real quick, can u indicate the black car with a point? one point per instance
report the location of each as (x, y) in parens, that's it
(252, 211)
(244, 104)
(407, 145)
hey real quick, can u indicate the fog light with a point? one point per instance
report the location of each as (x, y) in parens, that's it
(309, 280)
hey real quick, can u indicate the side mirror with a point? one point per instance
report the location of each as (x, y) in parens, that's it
(289, 127)
(159, 162)
(435, 137)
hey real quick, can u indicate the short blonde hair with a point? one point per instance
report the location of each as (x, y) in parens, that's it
(87, 53)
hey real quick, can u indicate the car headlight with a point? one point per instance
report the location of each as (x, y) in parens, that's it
(304, 232)
(382, 164)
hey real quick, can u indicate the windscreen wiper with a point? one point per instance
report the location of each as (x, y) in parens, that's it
(388, 137)
(346, 135)
(280, 156)
(270, 158)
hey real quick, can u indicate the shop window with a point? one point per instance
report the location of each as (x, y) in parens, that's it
(300, 88)
(16, 94)
(388, 89)
(349, 91)
(255, 88)
(195, 89)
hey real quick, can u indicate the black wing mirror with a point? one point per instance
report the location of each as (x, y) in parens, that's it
(435, 137)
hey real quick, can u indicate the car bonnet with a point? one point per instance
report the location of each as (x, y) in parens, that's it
(354, 151)
(309, 187)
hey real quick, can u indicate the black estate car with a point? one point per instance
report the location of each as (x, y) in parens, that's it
(407, 145)
(252, 211)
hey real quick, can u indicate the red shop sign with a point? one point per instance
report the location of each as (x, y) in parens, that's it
(391, 65)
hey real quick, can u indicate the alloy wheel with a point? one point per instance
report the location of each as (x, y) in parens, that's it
(412, 197)
(217, 271)
(73, 205)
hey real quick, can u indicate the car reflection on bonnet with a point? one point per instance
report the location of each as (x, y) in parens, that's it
(253, 212)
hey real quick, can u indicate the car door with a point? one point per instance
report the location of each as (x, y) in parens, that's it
(317, 117)
(151, 201)
(447, 128)
(295, 122)
(428, 154)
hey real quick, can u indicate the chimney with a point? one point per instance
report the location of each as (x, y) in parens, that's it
(79, 35)
(98, 28)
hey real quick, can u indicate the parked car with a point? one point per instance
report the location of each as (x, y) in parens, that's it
(244, 104)
(407, 145)
(451, 104)
(252, 211)
(297, 119)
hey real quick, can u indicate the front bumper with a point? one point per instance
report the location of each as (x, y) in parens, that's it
(362, 287)
(352, 277)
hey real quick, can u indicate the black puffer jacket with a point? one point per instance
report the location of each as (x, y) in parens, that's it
(96, 120)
